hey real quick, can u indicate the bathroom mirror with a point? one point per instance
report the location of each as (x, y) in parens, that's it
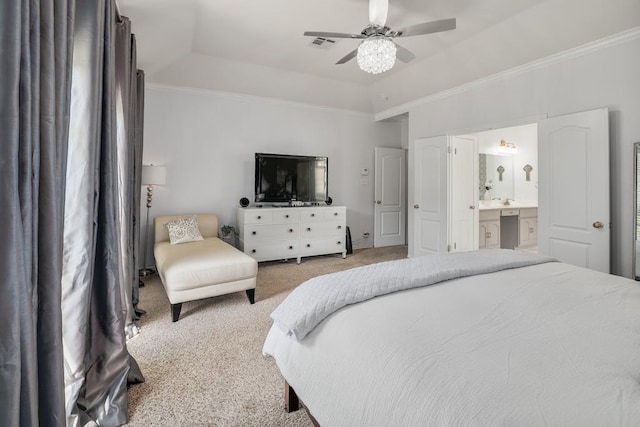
(496, 172)
(636, 212)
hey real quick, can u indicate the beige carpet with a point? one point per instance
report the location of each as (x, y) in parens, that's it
(207, 369)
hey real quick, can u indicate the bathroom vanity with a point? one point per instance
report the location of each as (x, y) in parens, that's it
(513, 226)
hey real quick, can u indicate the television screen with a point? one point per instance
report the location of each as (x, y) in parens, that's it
(284, 178)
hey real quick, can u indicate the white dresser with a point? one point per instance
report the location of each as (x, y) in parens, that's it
(280, 233)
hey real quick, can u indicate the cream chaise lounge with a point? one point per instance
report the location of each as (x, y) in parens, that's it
(201, 269)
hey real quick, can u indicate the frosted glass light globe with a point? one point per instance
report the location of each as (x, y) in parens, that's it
(376, 55)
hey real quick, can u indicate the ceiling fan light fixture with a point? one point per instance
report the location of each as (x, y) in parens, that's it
(376, 55)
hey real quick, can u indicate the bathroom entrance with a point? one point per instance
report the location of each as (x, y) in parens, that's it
(500, 195)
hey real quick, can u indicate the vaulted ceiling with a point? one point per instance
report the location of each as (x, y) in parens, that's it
(257, 47)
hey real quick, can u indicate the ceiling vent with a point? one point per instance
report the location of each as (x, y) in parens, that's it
(322, 42)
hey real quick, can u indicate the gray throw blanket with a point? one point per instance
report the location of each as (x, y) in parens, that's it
(314, 300)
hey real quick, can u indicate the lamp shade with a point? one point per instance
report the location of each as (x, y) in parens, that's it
(153, 175)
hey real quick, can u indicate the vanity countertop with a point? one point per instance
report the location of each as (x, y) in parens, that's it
(513, 204)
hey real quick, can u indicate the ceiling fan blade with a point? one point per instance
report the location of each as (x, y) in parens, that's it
(348, 57)
(333, 35)
(404, 54)
(427, 28)
(378, 12)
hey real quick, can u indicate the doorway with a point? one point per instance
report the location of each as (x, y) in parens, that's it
(502, 190)
(572, 181)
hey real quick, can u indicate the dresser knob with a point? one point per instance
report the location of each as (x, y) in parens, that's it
(254, 233)
(313, 214)
(290, 247)
(291, 230)
(335, 214)
(253, 251)
(286, 216)
(308, 245)
(339, 243)
(339, 227)
(308, 228)
(259, 217)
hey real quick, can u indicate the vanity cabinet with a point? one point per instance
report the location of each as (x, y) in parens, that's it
(508, 228)
(269, 234)
(489, 229)
(528, 226)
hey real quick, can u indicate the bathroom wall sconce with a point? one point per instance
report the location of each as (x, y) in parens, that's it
(507, 148)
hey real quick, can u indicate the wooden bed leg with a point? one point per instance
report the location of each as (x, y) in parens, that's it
(291, 401)
(251, 294)
(175, 311)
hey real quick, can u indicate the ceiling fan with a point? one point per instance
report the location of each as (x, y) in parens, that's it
(377, 52)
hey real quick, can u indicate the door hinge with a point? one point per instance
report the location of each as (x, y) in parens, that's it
(449, 149)
(448, 248)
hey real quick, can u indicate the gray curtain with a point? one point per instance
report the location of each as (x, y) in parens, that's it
(70, 145)
(99, 265)
(138, 122)
(35, 65)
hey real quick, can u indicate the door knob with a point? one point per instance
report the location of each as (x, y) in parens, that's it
(472, 207)
(378, 202)
(416, 206)
(598, 224)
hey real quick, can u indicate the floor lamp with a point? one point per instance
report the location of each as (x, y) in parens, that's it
(151, 175)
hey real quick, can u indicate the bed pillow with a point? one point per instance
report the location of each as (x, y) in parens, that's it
(183, 230)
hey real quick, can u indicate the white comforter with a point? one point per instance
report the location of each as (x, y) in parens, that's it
(311, 302)
(548, 344)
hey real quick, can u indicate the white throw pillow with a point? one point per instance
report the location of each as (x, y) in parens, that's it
(183, 230)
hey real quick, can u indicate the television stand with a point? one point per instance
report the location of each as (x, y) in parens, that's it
(276, 233)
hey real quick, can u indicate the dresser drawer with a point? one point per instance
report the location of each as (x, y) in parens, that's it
(335, 214)
(286, 216)
(320, 229)
(317, 246)
(270, 250)
(271, 231)
(311, 215)
(258, 217)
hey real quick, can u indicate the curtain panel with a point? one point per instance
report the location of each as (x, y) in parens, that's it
(35, 49)
(70, 159)
(99, 265)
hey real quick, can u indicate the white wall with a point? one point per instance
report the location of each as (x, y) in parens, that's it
(606, 76)
(207, 141)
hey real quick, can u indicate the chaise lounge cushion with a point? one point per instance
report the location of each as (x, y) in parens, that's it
(201, 269)
(209, 261)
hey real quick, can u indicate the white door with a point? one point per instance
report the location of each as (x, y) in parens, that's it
(390, 204)
(573, 211)
(463, 194)
(429, 204)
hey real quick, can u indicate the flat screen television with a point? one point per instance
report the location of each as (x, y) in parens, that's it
(283, 178)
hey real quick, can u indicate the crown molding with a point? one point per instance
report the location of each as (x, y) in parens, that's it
(585, 49)
(254, 99)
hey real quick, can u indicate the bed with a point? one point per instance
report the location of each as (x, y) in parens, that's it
(485, 338)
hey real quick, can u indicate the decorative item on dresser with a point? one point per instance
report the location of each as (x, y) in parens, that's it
(269, 234)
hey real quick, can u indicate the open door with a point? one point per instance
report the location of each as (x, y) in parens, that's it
(429, 202)
(573, 212)
(390, 199)
(463, 193)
